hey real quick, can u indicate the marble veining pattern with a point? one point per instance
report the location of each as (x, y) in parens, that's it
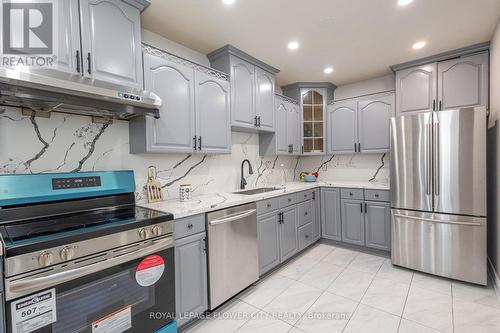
(64, 143)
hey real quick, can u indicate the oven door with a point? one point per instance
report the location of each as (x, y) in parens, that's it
(127, 293)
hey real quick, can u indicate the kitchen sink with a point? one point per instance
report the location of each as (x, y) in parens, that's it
(257, 190)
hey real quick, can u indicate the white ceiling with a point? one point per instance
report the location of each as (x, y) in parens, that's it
(359, 38)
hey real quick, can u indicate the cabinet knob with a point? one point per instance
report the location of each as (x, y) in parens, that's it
(289, 199)
(376, 195)
(350, 193)
(305, 213)
(307, 236)
(268, 205)
(190, 226)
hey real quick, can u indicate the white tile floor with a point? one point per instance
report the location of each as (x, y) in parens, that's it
(329, 289)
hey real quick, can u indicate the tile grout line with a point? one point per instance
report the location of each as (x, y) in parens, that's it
(406, 300)
(357, 306)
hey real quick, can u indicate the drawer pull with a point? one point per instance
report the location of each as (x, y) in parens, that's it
(268, 205)
(376, 195)
(190, 226)
(289, 199)
(305, 214)
(350, 193)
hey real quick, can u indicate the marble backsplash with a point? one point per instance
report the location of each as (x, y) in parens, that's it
(67, 142)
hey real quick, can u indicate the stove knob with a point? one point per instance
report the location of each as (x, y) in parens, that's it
(67, 253)
(144, 233)
(45, 258)
(156, 230)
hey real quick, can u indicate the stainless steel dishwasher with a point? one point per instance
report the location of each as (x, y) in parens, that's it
(233, 260)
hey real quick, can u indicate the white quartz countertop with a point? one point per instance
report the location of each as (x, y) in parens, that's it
(211, 202)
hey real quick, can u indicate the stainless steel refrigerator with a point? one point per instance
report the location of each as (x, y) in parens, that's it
(438, 193)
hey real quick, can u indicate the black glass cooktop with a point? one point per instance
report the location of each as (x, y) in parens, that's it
(39, 233)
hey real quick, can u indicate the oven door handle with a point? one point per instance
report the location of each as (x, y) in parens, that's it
(28, 285)
(233, 217)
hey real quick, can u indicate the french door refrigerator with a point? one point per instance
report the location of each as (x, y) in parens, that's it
(438, 193)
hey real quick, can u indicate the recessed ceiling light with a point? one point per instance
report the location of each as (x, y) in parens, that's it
(419, 45)
(293, 45)
(404, 2)
(328, 70)
(228, 2)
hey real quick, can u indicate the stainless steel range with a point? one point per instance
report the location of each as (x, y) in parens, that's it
(80, 256)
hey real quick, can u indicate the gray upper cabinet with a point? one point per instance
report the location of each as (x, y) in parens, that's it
(264, 99)
(191, 293)
(463, 82)
(293, 128)
(111, 42)
(267, 235)
(416, 89)
(68, 47)
(342, 127)
(378, 225)
(360, 125)
(195, 113)
(288, 233)
(373, 124)
(252, 89)
(212, 109)
(330, 214)
(353, 222)
(282, 111)
(243, 93)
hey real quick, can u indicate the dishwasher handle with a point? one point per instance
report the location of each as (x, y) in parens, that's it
(233, 217)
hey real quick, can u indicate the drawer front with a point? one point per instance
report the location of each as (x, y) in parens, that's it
(189, 226)
(351, 193)
(287, 200)
(305, 236)
(377, 195)
(304, 196)
(304, 211)
(266, 206)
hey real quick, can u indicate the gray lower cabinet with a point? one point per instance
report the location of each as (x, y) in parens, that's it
(330, 214)
(305, 236)
(194, 116)
(288, 233)
(191, 293)
(111, 42)
(316, 210)
(268, 238)
(378, 225)
(353, 222)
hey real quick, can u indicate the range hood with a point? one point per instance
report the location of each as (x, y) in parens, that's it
(74, 94)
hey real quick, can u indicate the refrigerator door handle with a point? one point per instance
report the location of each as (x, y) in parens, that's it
(436, 159)
(428, 166)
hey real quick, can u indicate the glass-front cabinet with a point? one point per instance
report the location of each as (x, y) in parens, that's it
(313, 98)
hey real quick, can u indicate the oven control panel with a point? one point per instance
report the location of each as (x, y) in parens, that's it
(75, 182)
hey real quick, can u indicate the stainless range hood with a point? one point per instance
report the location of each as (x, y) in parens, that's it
(74, 94)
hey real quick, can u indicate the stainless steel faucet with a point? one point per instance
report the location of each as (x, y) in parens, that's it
(250, 171)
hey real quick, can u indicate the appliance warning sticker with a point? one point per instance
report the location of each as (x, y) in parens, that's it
(116, 322)
(149, 270)
(33, 312)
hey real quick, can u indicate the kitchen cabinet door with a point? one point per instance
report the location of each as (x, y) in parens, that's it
(68, 47)
(342, 127)
(268, 239)
(416, 89)
(316, 210)
(175, 130)
(378, 225)
(288, 233)
(213, 117)
(282, 129)
(463, 82)
(111, 42)
(264, 99)
(313, 103)
(353, 222)
(373, 124)
(242, 93)
(191, 293)
(293, 124)
(330, 214)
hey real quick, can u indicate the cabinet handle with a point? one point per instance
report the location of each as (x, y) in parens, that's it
(355, 148)
(306, 236)
(204, 245)
(314, 195)
(258, 118)
(302, 149)
(289, 199)
(376, 195)
(194, 142)
(199, 143)
(190, 226)
(366, 207)
(440, 105)
(78, 61)
(433, 105)
(89, 69)
(361, 206)
(305, 213)
(255, 121)
(359, 147)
